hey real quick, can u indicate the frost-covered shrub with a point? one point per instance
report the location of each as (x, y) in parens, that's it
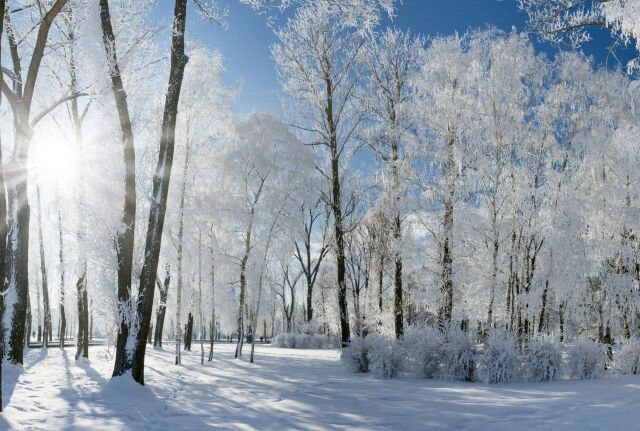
(458, 358)
(305, 341)
(423, 349)
(543, 362)
(383, 356)
(315, 342)
(586, 359)
(278, 340)
(499, 361)
(331, 342)
(628, 358)
(289, 341)
(355, 355)
(302, 341)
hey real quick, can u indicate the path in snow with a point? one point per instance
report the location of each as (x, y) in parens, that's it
(295, 389)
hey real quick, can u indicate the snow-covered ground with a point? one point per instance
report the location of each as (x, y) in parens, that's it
(295, 389)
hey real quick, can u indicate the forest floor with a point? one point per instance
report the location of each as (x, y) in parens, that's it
(293, 389)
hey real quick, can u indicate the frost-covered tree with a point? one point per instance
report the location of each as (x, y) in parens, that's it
(557, 20)
(317, 54)
(392, 61)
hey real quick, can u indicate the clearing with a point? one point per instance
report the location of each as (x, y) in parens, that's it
(294, 389)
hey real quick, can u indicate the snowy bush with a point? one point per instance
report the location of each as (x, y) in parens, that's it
(355, 355)
(315, 342)
(422, 349)
(499, 361)
(458, 358)
(628, 358)
(285, 341)
(305, 341)
(586, 359)
(278, 340)
(383, 356)
(331, 342)
(543, 362)
(301, 341)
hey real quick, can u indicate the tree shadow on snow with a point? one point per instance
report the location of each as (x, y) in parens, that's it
(121, 402)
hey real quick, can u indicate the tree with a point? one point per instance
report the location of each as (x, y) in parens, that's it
(392, 61)
(160, 188)
(309, 259)
(316, 57)
(263, 162)
(558, 20)
(161, 311)
(20, 99)
(444, 112)
(126, 232)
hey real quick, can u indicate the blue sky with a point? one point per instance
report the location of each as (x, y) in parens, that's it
(245, 43)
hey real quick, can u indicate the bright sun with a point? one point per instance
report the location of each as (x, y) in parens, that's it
(55, 162)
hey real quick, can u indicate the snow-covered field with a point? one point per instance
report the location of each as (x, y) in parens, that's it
(295, 389)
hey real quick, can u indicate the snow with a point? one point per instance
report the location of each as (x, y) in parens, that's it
(293, 389)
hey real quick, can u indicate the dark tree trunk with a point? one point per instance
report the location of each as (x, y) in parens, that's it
(46, 327)
(82, 342)
(213, 309)
(398, 303)
(125, 235)
(16, 265)
(160, 188)
(27, 333)
(188, 332)
(162, 308)
(543, 307)
(345, 334)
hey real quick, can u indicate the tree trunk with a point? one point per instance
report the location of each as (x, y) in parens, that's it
(63, 319)
(200, 324)
(160, 186)
(397, 237)
(336, 207)
(82, 340)
(46, 330)
(188, 333)
(213, 309)
(162, 309)
(16, 264)
(243, 285)
(125, 237)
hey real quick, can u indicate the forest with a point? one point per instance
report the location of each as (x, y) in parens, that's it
(423, 211)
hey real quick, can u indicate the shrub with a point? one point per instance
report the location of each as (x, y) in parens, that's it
(289, 341)
(383, 356)
(305, 341)
(423, 350)
(302, 341)
(543, 362)
(586, 359)
(355, 355)
(278, 340)
(628, 358)
(499, 361)
(331, 342)
(458, 358)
